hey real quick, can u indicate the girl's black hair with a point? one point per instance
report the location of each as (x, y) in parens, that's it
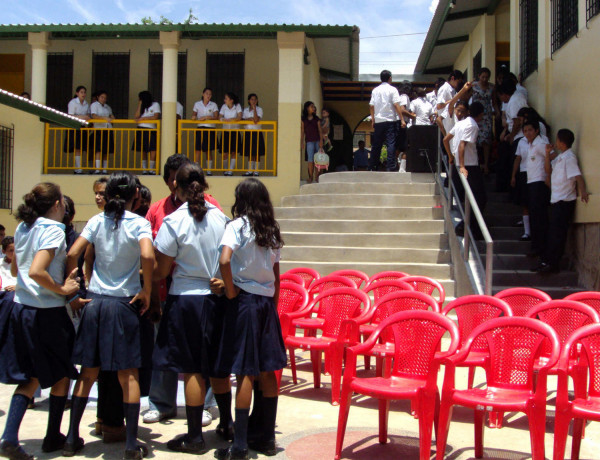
(255, 95)
(38, 202)
(69, 210)
(6, 242)
(307, 104)
(100, 181)
(252, 201)
(190, 179)
(79, 88)
(535, 124)
(120, 189)
(146, 98)
(207, 88)
(484, 70)
(529, 113)
(100, 92)
(233, 97)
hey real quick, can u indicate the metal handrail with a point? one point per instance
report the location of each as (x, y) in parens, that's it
(470, 206)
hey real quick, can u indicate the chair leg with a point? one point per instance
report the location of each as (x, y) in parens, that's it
(478, 425)
(345, 401)
(436, 414)
(384, 410)
(378, 366)
(336, 359)
(577, 432)
(471, 376)
(365, 336)
(495, 419)
(445, 415)
(580, 387)
(561, 432)
(316, 358)
(426, 405)
(292, 352)
(537, 432)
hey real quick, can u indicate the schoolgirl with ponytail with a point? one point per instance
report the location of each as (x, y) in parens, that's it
(109, 333)
(189, 328)
(36, 333)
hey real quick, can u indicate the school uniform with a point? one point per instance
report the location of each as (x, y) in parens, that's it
(254, 142)
(445, 94)
(103, 139)
(230, 140)
(6, 278)
(520, 192)
(423, 109)
(538, 194)
(191, 324)
(432, 99)
(145, 141)
(402, 138)
(252, 341)
(79, 139)
(109, 334)
(206, 140)
(383, 99)
(36, 333)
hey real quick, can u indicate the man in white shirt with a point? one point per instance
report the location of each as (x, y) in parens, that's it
(385, 111)
(444, 95)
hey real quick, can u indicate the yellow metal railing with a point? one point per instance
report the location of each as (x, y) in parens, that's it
(252, 146)
(125, 146)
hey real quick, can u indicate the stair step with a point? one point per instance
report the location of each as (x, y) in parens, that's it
(517, 262)
(362, 226)
(356, 254)
(376, 177)
(359, 213)
(367, 240)
(507, 247)
(556, 292)
(500, 220)
(527, 278)
(374, 188)
(498, 197)
(506, 233)
(335, 201)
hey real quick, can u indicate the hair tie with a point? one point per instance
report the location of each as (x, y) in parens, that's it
(123, 186)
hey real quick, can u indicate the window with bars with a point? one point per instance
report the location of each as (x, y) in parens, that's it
(155, 76)
(565, 21)
(592, 8)
(225, 73)
(110, 72)
(528, 15)
(7, 147)
(59, 80)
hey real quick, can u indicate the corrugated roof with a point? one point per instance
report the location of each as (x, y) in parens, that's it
(46, 114)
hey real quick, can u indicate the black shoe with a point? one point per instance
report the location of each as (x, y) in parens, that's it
(70, 449)
(13, 451)
(182, 444)
(53, 444)
(268, 448)
(228, 453)
(136, 454)
(225, 433)
(538, 268)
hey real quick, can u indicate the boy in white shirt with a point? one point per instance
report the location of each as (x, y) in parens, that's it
(7, 280)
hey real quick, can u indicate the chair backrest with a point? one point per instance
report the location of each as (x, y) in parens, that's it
(522, 299)
(417, 336)
(427, 286)
(387, 275)
(591, 298)
(589, 337)
(381, 288)
(339, 304)
(513, 343)
(473, 310)
(323, 285)
(564, 316)
(307, 274)
(355, 275)
(287, 276)
(292, 297)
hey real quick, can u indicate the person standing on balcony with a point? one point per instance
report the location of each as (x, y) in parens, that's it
(78, 142)
(311, 137)
(104, 142)
(254, 143)
(145, 141)
(230, 140)
(206, 141)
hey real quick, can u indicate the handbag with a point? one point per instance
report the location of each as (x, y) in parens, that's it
(321, 160)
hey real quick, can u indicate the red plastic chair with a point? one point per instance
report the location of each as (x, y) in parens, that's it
(586, 407)
(513, 344)
(522, 299)
(292, 278)
(307, 274)
(341, 306)
(591, 298)
(416, 337)
(355, 275)
(428, 286)
(387, 275)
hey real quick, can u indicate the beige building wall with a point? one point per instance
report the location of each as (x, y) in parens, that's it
(482, 38)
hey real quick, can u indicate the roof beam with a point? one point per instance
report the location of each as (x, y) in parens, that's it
(452, 40)
(492, 6)
(466, 14)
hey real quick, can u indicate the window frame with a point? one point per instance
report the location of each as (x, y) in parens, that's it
(7, 155)
(564, 22)
(592, 9)
(528, 36)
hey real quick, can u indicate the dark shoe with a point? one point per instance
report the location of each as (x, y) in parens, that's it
(13, 451)
(70, 449)
(182, 444)
(268, 448)
(225, 433)
(136, 454)
(53, 444)
(112, 434)
(228, 453)
(540, 267)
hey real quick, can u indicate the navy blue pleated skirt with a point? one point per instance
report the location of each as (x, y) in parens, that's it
(251, 341)
(186, 340)
(109, 334)
(34, 343)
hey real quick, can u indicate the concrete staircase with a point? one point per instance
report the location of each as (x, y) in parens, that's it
(367, 221)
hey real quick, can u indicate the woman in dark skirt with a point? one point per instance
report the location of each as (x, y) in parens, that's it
(254, 142)
(36, 333)
(252, 345)
(231, 139)
(77, 140)
(146, 138)
(109, 335)
(189, 239)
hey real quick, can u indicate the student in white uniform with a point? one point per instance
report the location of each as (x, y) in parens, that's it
(231, 110)
(206, 140)
(254, 142)
(8, 282)
(444, 95)
(405, 117)
(421, 108)
(189, 240)
(78, 141)
(252, 345)
(109, 335)
(104, 142)
(37, 333)
(145, 141)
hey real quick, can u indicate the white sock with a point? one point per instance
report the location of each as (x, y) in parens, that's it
(526, 225)
(253, 165)
(78, 161)
(98, 164)
(256, 165)
(232, 164)
(402, 165)
(144, 164)
(105, 164)
(152, 164)
(210, 163)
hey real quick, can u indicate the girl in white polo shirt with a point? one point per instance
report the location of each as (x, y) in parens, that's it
(254, 143)
(104, 142)
(145, 141)
(206, 141)
(78, 141)
(230, 141)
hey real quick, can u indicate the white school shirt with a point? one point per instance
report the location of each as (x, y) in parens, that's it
(423, 109)
(432, 99)
(208, 110)
(117, 263)
(564, 171)
(179, 110)
(103, 111)
(152, 110)
(523, 150)
(78, 108)
(6, 277)
(521, 89)
(43, 234)
(383, 99)
(445, 93)
(405, 101)
(249, 115)
(536, 155)
(251, 265)
(232, 112)
(195, 247)
(516, 102)
(467, 130)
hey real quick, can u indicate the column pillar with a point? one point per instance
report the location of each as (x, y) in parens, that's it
(39, 42)
(170, 45)
(514, 37)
